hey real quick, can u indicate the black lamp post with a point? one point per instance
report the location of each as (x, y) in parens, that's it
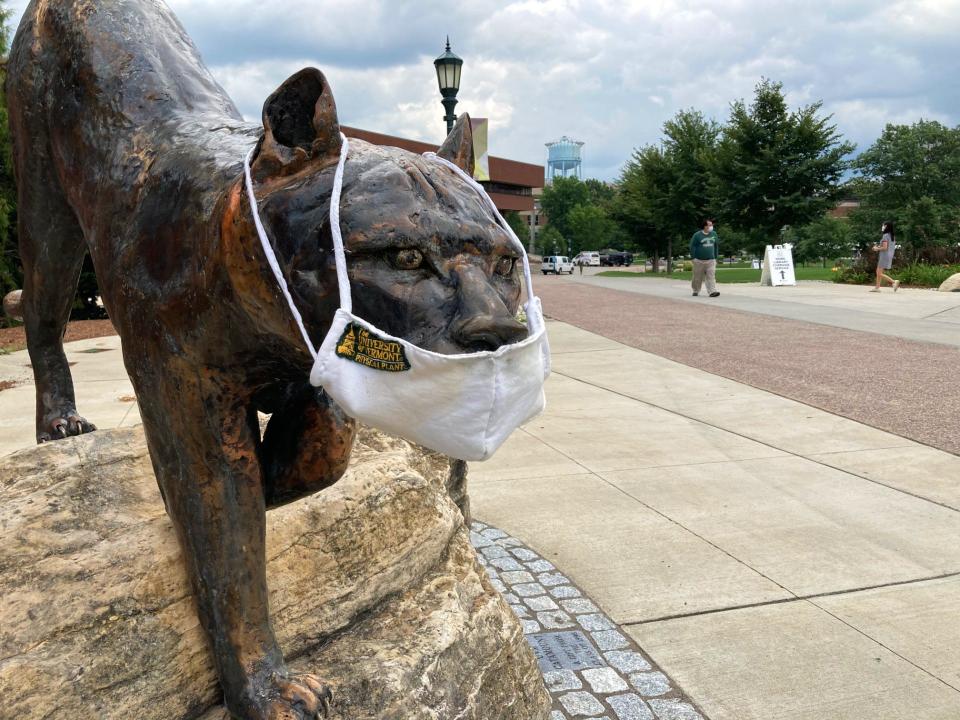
(448, 76)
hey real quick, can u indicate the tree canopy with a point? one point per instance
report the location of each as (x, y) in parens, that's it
(910, 175)
(775, 168)
(581, 214)
(664, 190)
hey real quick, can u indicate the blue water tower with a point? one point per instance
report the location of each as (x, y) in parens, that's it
(563, 158)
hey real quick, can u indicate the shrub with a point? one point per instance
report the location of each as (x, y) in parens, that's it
(853, 276)
(925, 275)
(916, 274)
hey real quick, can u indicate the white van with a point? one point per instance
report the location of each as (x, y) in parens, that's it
(556, 264)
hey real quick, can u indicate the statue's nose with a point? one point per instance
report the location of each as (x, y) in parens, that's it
(483, 321)
(488, 332)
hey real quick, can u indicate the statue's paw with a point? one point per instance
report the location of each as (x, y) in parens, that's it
(298, 696)
(65, 425)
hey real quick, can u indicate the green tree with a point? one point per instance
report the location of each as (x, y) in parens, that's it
(550, 242)
(601, 194)
(666, 189)
(10, 274)
(910, 175)
(519, 224)
(560, 197)
(591, 228)
(776, 168)
(824, 239)
(644, 186)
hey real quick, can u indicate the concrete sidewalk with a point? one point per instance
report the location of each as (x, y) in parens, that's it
(777, 561)
(914, 314)
(103, 390)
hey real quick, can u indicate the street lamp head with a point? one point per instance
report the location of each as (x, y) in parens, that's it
(448, 77)
(448, 72)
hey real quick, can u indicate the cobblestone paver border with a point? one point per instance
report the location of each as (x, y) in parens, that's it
(627, 687)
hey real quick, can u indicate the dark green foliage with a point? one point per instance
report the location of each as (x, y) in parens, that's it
(776, 168)
(664, 190)
(583, 213)
(914, 274)
(519, 224)
(10, 274)
(590, 228)
(910, 175)
(560, 197)
(550, 242)
(825, 238)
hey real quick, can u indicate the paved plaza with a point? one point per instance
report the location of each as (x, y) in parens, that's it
(767, 559)
(913, 314)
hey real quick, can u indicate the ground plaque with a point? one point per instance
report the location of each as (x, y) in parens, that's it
(569, 650)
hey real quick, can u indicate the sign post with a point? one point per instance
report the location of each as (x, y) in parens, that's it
(778, 266)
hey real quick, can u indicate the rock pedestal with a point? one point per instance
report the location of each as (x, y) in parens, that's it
(373, 585)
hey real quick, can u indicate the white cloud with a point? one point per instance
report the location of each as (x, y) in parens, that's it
(608, 72)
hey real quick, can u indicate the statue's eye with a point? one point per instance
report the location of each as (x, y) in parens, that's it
(408, 259)
(505, 266)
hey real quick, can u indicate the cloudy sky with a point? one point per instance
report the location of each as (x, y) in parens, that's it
(608, 73)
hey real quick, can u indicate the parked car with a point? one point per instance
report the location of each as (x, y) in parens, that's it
(616, 258)
(588, 258)
(556, 264)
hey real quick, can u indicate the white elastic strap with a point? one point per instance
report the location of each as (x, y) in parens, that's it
(343, 280)
(271, 256)
(503, 223)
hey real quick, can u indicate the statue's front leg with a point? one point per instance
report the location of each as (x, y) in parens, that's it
(204, 452)
(306, 446)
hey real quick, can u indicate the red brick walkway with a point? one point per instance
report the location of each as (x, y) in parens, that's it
(908, 388)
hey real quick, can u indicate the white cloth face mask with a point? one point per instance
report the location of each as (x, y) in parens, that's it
(463, 405)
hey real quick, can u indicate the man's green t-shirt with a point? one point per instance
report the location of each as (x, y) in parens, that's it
(705, 246)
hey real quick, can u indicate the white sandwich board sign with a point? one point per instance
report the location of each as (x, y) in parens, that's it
(778, 266)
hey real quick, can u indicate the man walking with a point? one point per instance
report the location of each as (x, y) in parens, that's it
(704, 249)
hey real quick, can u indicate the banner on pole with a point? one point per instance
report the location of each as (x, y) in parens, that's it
(481, 150)
(778, 266)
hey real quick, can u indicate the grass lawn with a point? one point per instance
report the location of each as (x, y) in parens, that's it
(728, 275)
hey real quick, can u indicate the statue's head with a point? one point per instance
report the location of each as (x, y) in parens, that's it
(427, 260)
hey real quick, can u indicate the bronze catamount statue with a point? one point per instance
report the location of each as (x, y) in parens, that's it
(126, 146)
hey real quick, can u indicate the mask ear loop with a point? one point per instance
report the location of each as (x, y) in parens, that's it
(503, 223)
(271, 256)
(343, 279)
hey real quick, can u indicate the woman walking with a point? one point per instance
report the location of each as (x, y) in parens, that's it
(885, 252)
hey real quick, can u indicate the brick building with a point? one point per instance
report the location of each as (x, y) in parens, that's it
(512, 186)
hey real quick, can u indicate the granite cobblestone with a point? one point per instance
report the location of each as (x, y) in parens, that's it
(579, 606)
(626, 686)
(541, 602)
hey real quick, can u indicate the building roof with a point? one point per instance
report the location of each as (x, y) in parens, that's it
(511, 181)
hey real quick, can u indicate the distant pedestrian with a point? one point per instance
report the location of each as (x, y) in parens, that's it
(885, 251)
(580, 262)
(705, 249)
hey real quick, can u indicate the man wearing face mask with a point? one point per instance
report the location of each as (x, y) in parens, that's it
(705, 249)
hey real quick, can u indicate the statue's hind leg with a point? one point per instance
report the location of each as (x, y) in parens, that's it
(306, 447)
(52, 249)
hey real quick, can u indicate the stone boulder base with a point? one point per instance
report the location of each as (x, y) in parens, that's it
(373, 585)
(951, 284)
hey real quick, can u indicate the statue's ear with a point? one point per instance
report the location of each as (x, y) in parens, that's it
(299, 123)
(458, 147)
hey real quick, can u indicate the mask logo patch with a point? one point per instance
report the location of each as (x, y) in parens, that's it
(363, 347)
